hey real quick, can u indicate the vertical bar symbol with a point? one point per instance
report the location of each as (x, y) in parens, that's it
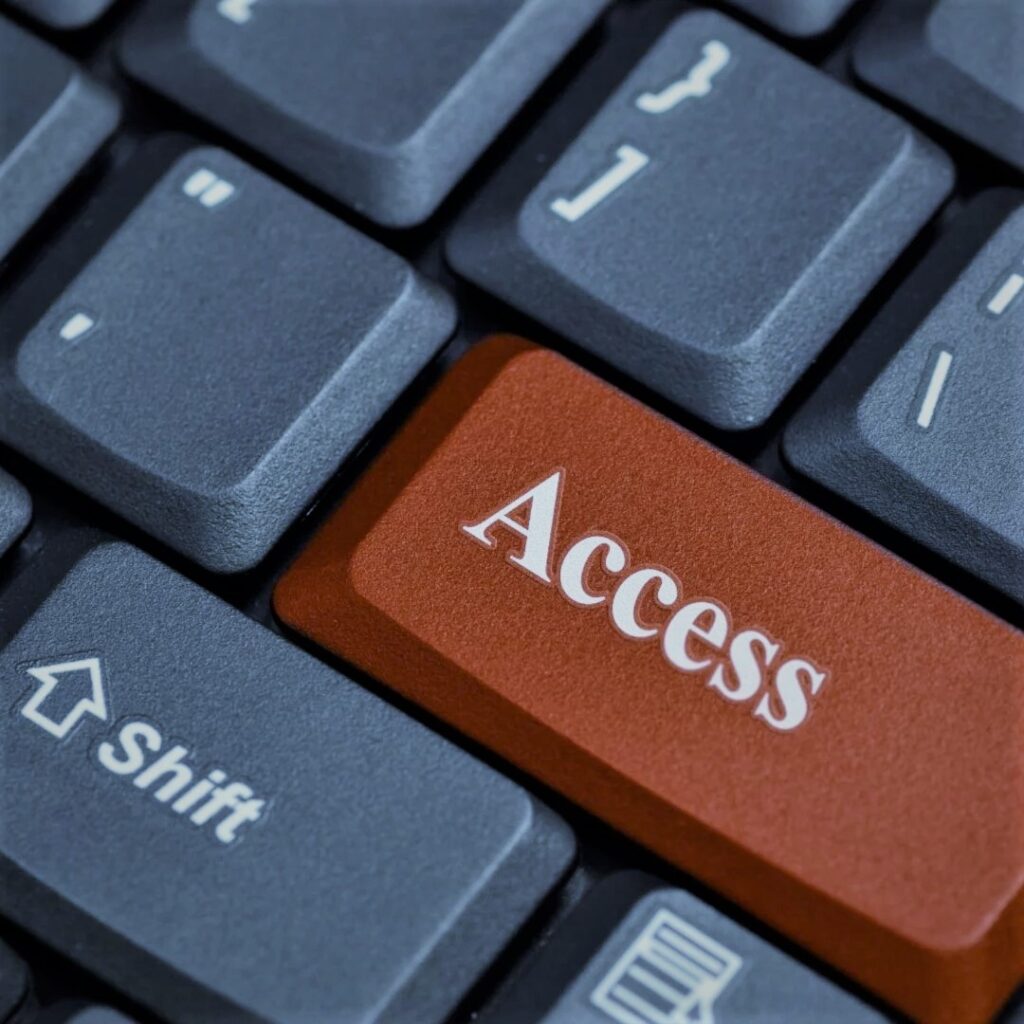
(1005, 294)
(936, 384)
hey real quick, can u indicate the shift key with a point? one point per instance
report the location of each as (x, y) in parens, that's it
(230, 832)
(788, 712)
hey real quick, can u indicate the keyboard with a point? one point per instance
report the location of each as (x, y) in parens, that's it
(511, 511)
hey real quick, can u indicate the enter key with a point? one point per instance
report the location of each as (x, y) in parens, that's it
(820, 732)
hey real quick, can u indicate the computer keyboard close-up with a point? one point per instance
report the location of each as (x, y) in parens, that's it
(511, 511)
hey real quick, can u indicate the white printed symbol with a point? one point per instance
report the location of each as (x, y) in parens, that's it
(697, 83)
(76, 325)
(210, 190)
(630, 161)
(49, 677)
(932, 394)
(1005, 294)
(238, 11)
(672, 973)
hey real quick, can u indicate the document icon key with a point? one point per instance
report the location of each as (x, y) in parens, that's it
(672, 973)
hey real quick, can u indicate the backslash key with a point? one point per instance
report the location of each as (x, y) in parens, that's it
(229, 831)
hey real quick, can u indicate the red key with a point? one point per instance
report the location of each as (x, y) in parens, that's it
(757, 693)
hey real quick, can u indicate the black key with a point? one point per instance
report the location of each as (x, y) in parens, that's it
(923, 421)
(53, 119)
(64, 14)
(705, 233)
(256, 838)
(208, 369)
(958, 62)
(799, 18)
(636, 952)
(15, 511)
(14, 986)
(382, 104)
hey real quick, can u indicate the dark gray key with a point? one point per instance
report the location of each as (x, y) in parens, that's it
(923, 421)
(716, 222)
(958, 62)
(64, 14)
(256, 838)
(636, 952)
(382, 105)
(210, 367)
(14, 986)
(799, 18)
(15, 511)
(53, 119)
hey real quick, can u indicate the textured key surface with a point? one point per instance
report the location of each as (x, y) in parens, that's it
(383, 104)
(53, 119)
(959, 62)
(15, 511)
(796, 17)
(923, 422)
(174, 385)
(793, 715)
(64, 14)
(713, 264)
(383, 870)
(636, 952)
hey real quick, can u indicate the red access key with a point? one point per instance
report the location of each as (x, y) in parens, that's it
(757, 693)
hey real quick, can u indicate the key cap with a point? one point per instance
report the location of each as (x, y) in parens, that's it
(922, 422)
(207, 370)
(799, 18)
(637, 952)
(382, 105)
(64, 14)
(53, 120)
(257, 837)
(15, 511)
(710, 264)
(713, 667)
(958, 62)
(14, 985)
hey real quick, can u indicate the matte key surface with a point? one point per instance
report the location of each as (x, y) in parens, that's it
(64, 14)
(15, 511)
(255, 837)
(696, 233)
(53, 119)
(211, 366)
(704, 661)
(923, 421)
(383, 104)
(796, 17)
(958, 62)
(637, 952)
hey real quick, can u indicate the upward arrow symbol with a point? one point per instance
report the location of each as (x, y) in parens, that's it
(49, 676)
